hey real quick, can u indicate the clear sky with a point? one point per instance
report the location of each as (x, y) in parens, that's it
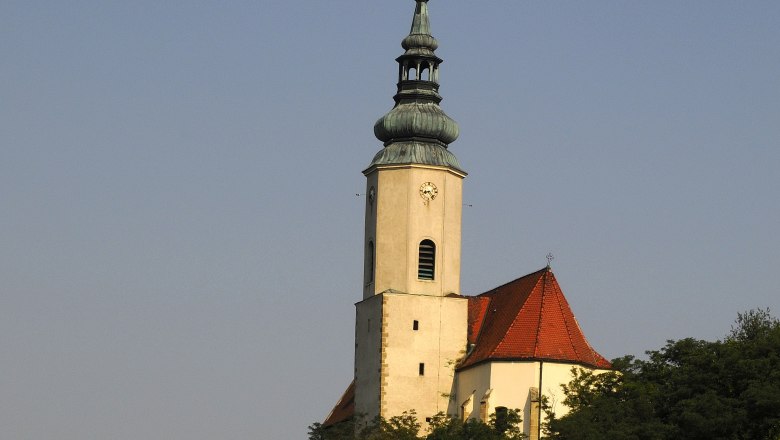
(180, 240)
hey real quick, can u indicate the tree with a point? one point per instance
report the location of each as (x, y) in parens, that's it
(403, 427)
(406, 427)
(343, 430)
(504, 426)
(689, 389)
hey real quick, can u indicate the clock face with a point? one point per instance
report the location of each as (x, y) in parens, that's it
(428, 191)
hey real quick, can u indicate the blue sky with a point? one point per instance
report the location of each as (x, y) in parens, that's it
(180, 240)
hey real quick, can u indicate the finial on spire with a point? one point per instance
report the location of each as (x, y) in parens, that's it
(420, 41)
(550, 258)
(421, 23)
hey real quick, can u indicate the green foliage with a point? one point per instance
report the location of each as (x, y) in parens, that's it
(689, 389)
(406, 427)
(505, 427)
(507, 424)
(343, 430)
(403, 427)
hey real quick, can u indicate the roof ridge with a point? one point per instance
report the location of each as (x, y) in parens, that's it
(593, 353)
(344, 408)
(520, 308)
(482, 322)
(560, 298)
(510, 282)
(596, 356)
(541, 313)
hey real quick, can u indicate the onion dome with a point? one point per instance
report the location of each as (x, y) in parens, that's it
(416, 120)
(417, 130)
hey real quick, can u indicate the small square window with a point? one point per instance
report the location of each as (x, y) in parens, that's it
(416, 325)
(422, 369)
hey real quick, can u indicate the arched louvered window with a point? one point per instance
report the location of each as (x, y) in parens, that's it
(426, 266)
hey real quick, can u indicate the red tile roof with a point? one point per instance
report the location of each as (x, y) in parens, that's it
(344, 409)
(478, 306)
(527, 319)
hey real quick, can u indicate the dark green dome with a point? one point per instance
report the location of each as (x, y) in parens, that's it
(423, 120)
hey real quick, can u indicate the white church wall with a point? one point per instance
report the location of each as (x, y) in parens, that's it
(510, 385)
(471, 386)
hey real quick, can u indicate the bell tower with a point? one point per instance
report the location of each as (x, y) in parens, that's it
(414, 201)
(411, 324)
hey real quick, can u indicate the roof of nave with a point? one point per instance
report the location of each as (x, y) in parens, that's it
(344, 409)
(527, 319)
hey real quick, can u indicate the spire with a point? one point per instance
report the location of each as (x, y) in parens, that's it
(421, 25)
(417, 130)
(420, 36)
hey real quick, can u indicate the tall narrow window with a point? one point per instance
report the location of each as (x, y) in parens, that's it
(427, 260)
(416, 325)
(370, 258)
(422, 369)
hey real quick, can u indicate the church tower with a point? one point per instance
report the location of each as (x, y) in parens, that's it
(419, 343)
(411, 325)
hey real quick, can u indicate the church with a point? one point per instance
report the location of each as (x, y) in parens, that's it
(420, 343)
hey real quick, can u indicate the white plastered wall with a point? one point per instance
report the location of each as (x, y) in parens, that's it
(387, 365)
(397, 221)
(510, 384)
(368, 356)
(438, 343)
